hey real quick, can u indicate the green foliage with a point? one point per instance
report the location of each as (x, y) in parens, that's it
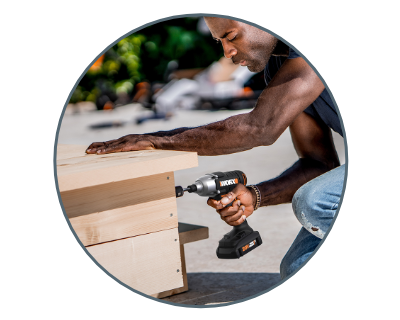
(176, 40)
(145, 56)
(128, 51)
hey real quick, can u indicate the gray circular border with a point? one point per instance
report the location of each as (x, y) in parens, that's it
(138, 29)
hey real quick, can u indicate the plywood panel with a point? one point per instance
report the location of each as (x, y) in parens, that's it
(150, 263)
(75, 172)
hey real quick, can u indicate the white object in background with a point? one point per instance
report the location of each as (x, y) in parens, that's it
(227, 89)
(242, 75)
(169, 99)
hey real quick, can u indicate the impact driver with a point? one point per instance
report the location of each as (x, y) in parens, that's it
(241, 239)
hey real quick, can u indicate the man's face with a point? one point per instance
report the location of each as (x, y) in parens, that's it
(244, 44)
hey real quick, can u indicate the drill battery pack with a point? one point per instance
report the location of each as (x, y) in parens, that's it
(238, 242)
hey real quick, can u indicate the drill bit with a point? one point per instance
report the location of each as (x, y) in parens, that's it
(179, 191)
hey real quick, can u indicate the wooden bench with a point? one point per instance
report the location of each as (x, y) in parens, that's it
(122, 207)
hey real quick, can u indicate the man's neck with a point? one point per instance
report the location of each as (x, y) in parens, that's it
(281, 49)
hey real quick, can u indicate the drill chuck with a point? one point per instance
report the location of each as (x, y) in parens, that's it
(179, 191)
(192, 188)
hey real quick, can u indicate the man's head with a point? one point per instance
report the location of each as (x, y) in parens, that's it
(242, 43)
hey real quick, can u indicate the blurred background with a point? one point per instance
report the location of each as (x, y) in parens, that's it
(154, 67)
(172, 75)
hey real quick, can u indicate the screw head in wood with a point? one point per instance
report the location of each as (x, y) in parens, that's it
(167, 178)
(170, 214)
(177, 270)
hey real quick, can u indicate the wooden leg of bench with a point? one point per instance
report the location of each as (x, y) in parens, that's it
(185, 283)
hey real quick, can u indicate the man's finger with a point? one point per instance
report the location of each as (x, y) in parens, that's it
(236, 216)
(214, 203)
(229, 197)
(235, 193)
(111, 148)
(95, 146)
(229, 211)
(237, 222)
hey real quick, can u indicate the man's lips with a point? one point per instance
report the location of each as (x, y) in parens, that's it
(241, 62)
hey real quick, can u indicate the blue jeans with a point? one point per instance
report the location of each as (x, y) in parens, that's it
(314, 205)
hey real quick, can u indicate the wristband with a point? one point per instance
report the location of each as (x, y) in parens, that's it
(258, 195)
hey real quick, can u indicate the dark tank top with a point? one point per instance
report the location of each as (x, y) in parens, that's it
(322, 108)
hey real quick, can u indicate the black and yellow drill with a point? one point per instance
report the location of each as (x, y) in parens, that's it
(242, 238)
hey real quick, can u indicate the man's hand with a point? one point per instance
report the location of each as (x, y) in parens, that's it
(240, 209)
(131, 142)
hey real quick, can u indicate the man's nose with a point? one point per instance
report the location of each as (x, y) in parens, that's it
(229, 50)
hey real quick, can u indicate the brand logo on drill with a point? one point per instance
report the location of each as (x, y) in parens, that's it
(228, 182)
(247, 246)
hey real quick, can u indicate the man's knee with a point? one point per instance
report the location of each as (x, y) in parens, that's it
(304, 200)
(307, 207)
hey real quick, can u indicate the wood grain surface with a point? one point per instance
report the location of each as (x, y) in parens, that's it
(76, 169)
(149, 263)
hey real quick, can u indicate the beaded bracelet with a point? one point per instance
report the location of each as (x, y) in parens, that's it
(258, 194)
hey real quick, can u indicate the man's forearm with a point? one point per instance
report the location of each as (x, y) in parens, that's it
(282, 188)
(231, 135)
(168, 133)
(294, 88)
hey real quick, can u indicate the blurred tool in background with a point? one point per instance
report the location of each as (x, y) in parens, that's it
(221, 85)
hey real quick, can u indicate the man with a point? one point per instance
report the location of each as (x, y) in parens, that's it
(296, 98)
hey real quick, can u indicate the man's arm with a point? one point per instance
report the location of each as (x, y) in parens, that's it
(317, 154)
(294, 88)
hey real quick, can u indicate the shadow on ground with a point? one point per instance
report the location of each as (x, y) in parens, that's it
(207, 288)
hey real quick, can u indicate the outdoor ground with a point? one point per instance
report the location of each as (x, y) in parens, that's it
(212, 280)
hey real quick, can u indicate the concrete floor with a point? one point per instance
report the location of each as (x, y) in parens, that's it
(213, 281)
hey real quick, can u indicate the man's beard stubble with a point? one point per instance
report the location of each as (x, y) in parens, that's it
(262, 56)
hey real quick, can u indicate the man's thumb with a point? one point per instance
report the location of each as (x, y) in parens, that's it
(228, 198)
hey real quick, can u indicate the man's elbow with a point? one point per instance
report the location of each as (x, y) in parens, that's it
(260, 141)
(266, 137)
(265, 132)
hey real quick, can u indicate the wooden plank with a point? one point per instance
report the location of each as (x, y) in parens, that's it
(187, 233)
(68, 151)
(89, 170)
(185, 286)
(122, 209)
(150, 263)
(118, 194)
(191, 232)
(126, 222)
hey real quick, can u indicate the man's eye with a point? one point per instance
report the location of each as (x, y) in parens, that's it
(232, 38)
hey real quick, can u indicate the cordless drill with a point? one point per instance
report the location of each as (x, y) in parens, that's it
(241, 239)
